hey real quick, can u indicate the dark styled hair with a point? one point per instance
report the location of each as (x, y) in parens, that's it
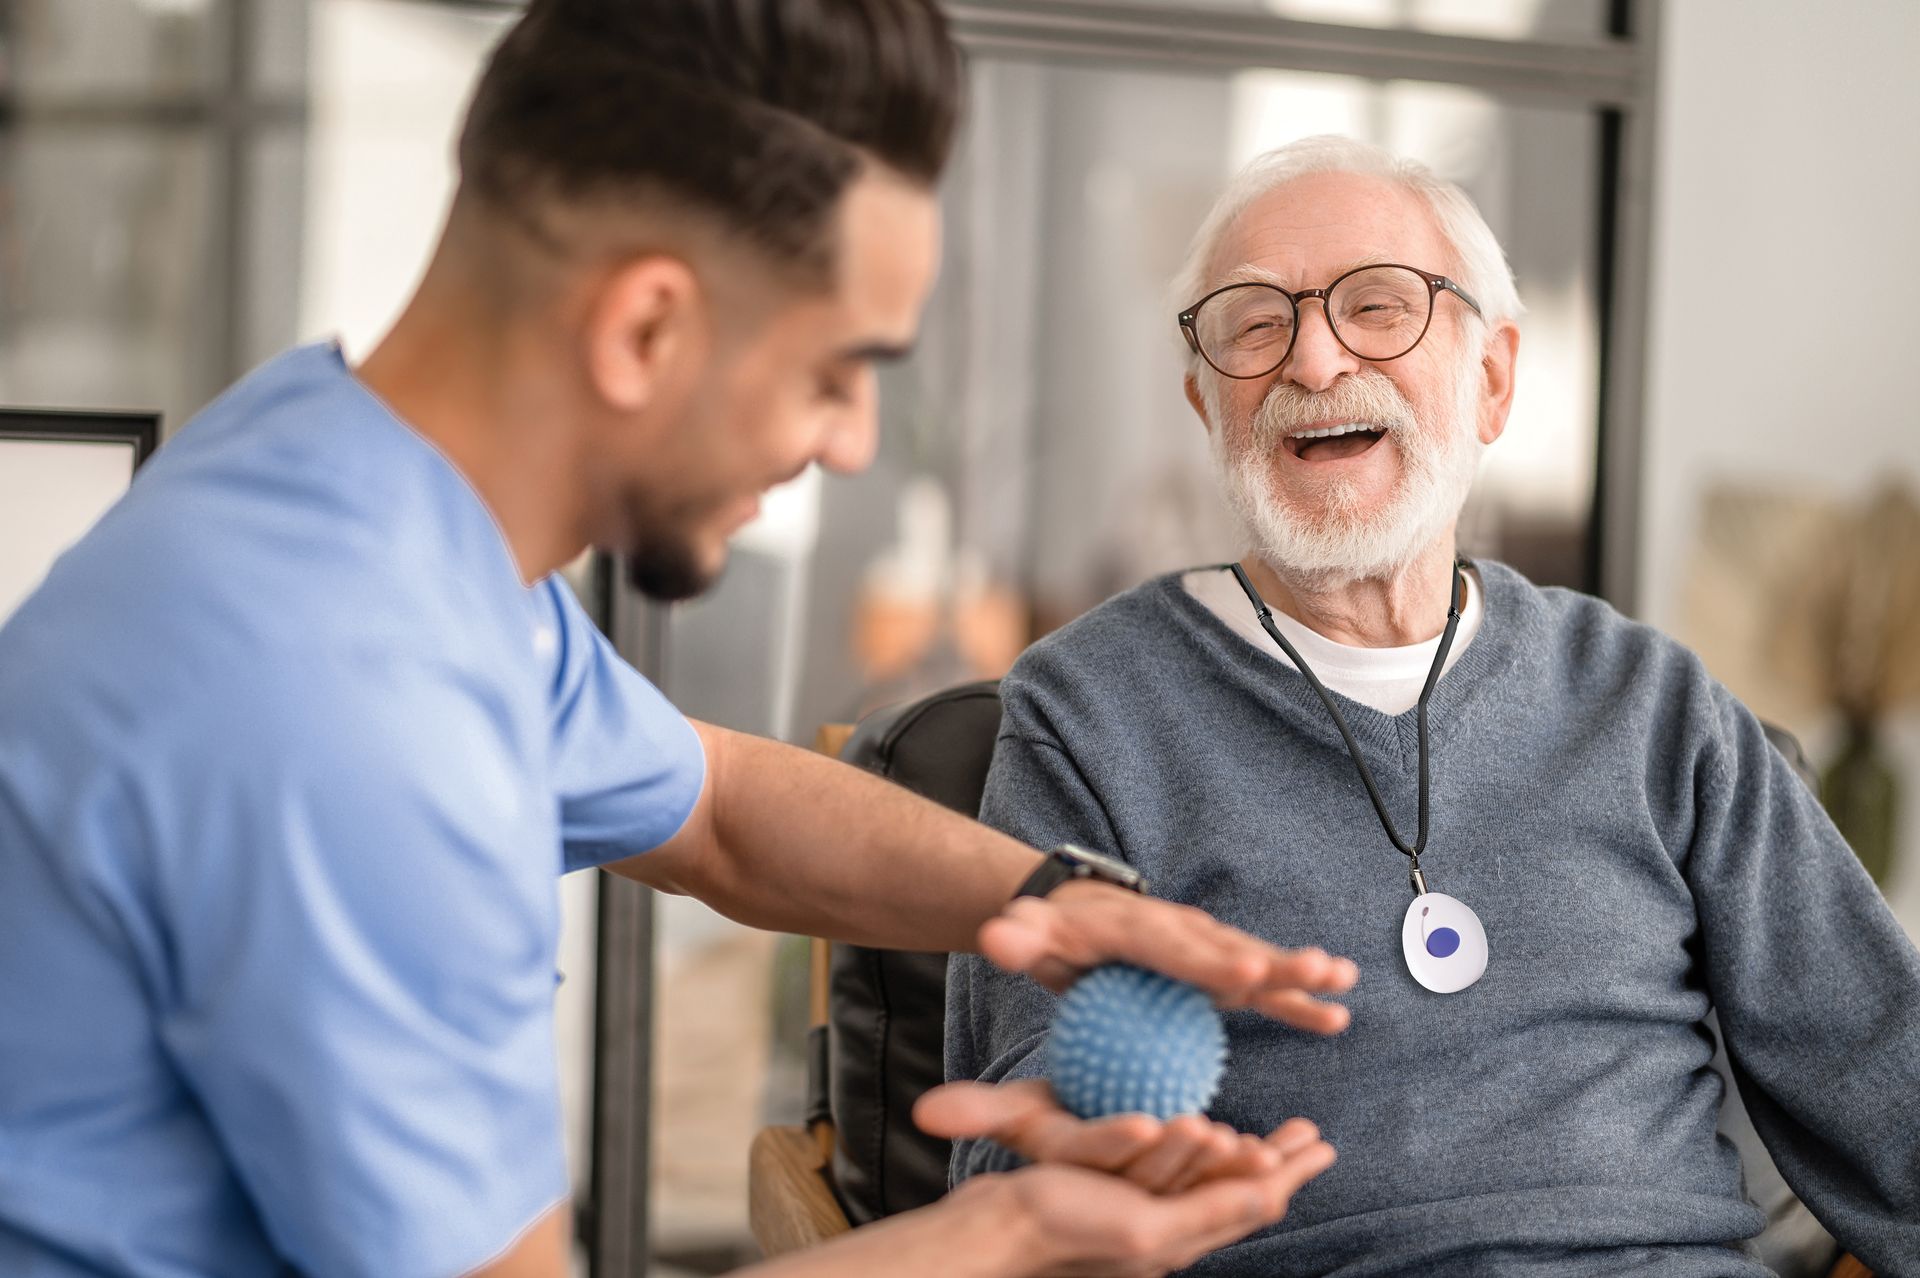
(757, 113)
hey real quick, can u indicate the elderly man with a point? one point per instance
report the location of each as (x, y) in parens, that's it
(1550, 840)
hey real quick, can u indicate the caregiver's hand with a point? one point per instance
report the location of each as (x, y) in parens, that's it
(1079, 925)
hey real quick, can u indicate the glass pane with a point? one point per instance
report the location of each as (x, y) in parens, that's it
(278, 63)
(276, 176)
(1038, 453)
(123, 48)
(104, 262)
(1559, 20)
(389, 84)
(731, 1015)
(1487, 19)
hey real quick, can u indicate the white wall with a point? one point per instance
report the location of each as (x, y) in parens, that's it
(1785, 329)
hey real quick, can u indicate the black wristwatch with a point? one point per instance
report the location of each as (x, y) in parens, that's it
(1069, 862)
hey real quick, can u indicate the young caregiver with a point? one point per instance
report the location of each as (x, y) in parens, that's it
(294, 744)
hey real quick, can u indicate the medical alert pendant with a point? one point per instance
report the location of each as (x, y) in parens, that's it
(1445, 945)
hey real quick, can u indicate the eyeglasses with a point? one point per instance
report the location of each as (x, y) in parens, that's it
(1376, 312)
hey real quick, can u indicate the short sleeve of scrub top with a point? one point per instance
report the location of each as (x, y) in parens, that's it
(627, 766)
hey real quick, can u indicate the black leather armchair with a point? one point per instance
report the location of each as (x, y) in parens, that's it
(880, 1014)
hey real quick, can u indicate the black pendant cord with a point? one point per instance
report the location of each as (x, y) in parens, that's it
(1340, 721)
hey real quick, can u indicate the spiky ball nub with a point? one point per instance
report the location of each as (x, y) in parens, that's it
(1130, 1041)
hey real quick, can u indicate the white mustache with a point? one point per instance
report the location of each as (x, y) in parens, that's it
(1366, 396)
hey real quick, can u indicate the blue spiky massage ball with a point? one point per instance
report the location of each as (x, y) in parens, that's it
(1129, 1041)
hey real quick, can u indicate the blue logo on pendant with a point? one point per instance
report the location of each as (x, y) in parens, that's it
(1440, 942)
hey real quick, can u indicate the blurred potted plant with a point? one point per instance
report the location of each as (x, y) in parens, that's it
(1870, 633)
(1807, 607)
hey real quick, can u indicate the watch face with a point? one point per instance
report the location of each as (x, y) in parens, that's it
(1104, 867)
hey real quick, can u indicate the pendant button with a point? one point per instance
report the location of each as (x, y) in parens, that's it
(1444, 944)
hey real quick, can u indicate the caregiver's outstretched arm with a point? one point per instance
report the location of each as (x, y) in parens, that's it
(789, 840)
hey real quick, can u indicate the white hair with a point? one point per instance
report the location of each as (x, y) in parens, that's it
(1479, 266)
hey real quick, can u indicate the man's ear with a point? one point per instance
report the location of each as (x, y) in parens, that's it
(1496, 380)
(1198, 401)
(645, 326)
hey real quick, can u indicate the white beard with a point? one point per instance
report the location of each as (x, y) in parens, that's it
(1336, 540)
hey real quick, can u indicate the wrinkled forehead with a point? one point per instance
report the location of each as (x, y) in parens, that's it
(1302, 234)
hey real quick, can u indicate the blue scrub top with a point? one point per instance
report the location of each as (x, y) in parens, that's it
(289, 763)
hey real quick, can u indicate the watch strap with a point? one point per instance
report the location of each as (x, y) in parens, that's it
(1048, 875)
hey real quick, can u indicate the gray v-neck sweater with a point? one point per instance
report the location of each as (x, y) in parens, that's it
(1638, 853)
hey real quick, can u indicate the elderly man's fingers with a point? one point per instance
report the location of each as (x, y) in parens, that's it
(1184, 1141)
(1104, 1144)
(1270, 1196)
(1180, 1228)
(1025, 1118)
(1240, 1155)
(1293, 1136)
(958, 1111)
(1299, 1167)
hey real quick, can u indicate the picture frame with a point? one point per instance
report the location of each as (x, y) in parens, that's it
(50, 496)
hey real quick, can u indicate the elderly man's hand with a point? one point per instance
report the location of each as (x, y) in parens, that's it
(1092, 1226)
(1160, 1157)
(1144, 1198)
(1081, 925)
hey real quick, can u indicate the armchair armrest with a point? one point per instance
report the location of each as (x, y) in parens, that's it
(789, 1203)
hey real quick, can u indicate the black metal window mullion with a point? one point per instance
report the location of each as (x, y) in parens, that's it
(232, 117)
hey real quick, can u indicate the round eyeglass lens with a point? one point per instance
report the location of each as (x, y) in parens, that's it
(1381, 312)
(1245, 331)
